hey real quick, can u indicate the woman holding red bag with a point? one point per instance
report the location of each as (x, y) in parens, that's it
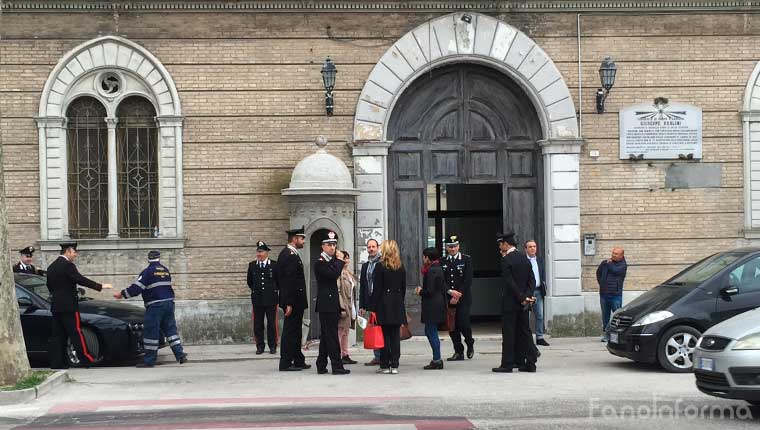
(387, 302)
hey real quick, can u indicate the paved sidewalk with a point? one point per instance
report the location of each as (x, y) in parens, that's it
(416, 346)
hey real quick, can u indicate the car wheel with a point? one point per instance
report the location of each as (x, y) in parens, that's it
(676, 348)
(93, 348)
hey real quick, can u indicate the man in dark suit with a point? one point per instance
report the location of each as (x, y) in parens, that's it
(25, 263)
(365, 288)
(62, 280)
(327, 270)
(292, 282)
(517, 347)
(539, 274)
(265, 296)
(457, 272)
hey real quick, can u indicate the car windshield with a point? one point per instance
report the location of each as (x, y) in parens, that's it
(705, 269)
(34, 283)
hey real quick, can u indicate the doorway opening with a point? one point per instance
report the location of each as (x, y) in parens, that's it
(475, 213)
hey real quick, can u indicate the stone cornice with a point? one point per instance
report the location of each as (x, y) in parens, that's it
(380, 6)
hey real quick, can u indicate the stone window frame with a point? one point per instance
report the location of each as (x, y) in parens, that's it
(78, 74)
(750, 115)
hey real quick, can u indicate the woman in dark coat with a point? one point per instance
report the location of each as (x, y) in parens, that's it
(433, 293)
(387, 302)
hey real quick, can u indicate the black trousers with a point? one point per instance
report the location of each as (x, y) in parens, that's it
(329, 345)
(391, 353)
(290, 344)
(461, 328)
(66, 325)
(517, 345)
(259, 312)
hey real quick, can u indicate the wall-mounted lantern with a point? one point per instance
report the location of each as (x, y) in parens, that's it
(607, 72)
(328, 78)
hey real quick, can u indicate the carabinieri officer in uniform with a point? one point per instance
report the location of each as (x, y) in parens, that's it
(457, 272)
(327, 270)
(292, 283)
(155, 285)
(25, 265)
(62, 280)
(264, 296)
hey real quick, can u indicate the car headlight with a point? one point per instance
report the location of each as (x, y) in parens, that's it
(652, 318)
(751, 341)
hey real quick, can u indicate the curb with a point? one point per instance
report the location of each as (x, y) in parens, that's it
(29, 394)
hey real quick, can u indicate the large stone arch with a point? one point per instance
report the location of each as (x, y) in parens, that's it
(78, 74)
(477, 38)
(483, 40)
(751, 137)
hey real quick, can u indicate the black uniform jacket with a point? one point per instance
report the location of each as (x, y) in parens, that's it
(518, 280)
(263, 284)
(327, 274)
(291, 280)
(62, 280)
(388, 294)
(29, 269)
(457, 273)
(434, 296)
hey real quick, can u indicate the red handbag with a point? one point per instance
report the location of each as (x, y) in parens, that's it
(373, 334)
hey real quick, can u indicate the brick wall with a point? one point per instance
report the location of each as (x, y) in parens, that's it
(252, 95)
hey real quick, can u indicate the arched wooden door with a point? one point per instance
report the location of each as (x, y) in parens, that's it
(464, 157)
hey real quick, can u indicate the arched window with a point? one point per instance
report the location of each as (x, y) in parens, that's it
(87, 169)
(137, 168)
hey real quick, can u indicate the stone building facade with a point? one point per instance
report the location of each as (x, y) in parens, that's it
(237, 101)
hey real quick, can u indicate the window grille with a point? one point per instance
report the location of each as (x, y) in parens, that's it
(137, 171)
(87, 169)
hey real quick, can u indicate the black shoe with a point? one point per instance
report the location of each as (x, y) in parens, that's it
(259, 350)
(290, 369)
(502, 370)
(303, 366)
(182, 359)
(340, 371)
(434, 365)
(456, 357)
(273, 350)
(347, 360)
(542, 342)
(528, 368)
(374, 362)
(144, 365)
(321, 371)
(471, 349)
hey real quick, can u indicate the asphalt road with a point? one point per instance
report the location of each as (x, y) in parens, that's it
(578, 386)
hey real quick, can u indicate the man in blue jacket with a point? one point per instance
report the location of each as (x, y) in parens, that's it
(155, 285)
(610, 275)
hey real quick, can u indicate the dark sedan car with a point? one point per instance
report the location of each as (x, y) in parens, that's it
(664, 324)
(112, 331)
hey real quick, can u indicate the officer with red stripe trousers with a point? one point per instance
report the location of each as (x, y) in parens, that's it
(62, 280)
(155, 285)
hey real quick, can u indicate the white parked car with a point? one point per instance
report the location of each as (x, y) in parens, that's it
(727, 359)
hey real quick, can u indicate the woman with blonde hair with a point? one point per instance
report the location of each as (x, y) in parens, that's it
(346, 285)
(387, 302)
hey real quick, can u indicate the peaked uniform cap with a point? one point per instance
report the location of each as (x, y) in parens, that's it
(297, 232)
(332, 237)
